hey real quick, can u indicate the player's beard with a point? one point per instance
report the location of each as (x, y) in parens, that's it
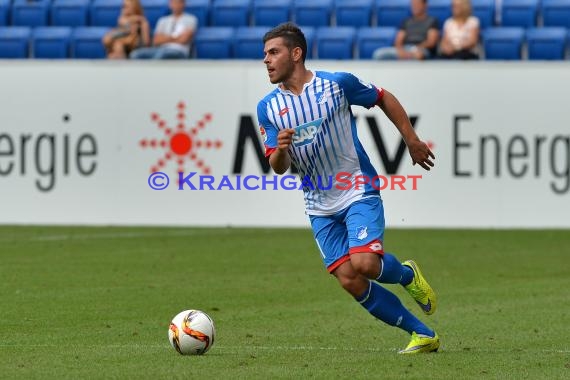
(286, 73)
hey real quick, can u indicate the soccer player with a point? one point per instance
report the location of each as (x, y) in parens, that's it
(307, 121)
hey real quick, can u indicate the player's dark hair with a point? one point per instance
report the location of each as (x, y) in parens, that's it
(292, 36)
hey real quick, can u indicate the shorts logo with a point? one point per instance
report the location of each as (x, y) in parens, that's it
(376, 247)
(305, 133)
(362, 232)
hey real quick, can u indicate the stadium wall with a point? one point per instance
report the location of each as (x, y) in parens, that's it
(78, 141)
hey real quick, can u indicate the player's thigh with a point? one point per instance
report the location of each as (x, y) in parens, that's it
(365, 225)
(332, 239)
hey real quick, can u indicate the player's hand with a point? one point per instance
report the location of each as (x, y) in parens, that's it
(421, 154)
(285, 138)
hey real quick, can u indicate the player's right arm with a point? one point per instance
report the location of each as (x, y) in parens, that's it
(280, 160)
(275, 141)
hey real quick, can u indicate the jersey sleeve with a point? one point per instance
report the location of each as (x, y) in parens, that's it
(358, 92)
(267, 129)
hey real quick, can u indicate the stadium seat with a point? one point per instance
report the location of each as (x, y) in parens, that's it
(356, 13)
(503, 43)
(51, 42)
(271, 12)
(230, 12)
(200, 9)
(153, 10)
(248, 42)
(4, 11)
(69, 12)
(313, 13)
(522, 13)
(484, 10)
(86, 42)
(335, 42)
(105, 12)
(547, 43)
(15, 42)
(214, 42)
(370, 39)
(392, 12)
(556, 13)
(440, 9)
(28, 13)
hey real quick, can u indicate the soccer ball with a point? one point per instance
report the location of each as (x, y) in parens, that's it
(191, 332)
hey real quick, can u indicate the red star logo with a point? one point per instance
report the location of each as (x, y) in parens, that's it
(180, 144)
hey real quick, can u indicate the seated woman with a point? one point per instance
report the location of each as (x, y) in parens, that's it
(132, 31)
(460, 33)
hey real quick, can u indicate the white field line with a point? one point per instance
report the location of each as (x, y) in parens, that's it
(293, 348)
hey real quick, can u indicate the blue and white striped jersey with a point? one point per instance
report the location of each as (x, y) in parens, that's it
(325, 142)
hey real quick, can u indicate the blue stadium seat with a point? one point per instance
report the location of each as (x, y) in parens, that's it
(86, 42)
(271, 12)
(69, 12)
(4, 11)
(51, 42)
(392, 12)
(440, 9)
(484, 10)
(521, 13)
(248, 42)
(547, 43)
(356, 13)
(503, 43)
(153, 10)
(230, 12)
(27, 13)
(556, 13)
(313, 13)
(200, 9)
(370, 39)
(335, 42)
(105, 12)
(214, 42)
(15, 42)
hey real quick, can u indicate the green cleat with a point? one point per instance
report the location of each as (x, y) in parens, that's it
(421, 344)
(420, 290)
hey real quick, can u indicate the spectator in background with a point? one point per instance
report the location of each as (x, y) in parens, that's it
(172, 36)
(460, 33)
(417, 38)
(132, 31)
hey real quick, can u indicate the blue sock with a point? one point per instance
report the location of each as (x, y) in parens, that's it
(385, 306)
(393, 272)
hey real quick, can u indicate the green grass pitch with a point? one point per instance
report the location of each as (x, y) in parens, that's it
(86, 303)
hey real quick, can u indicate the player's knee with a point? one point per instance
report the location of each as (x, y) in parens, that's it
(353, 283)
(367, 264)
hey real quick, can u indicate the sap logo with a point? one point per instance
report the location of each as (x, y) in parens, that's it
(305, 133)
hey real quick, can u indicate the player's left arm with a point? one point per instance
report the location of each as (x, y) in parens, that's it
(419, 151)
(368, 95)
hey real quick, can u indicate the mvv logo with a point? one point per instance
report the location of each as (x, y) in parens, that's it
(305, 133)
